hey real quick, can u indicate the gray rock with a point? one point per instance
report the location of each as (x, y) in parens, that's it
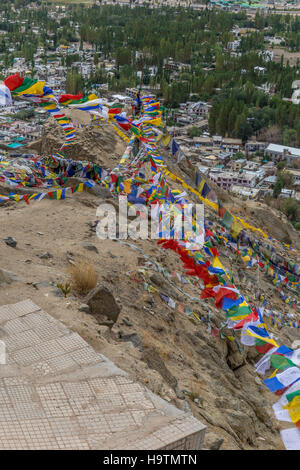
(127, 322)
(57, 292)
(185, 406)
(105, 332)
(102, 302)
(241, 424)
(213, 441)
(101, 192)
(258, 381)
(155, 362)
(135, 339)
(149, 299)
(84, 308)
(6, 277)
(234, 359)
(10, 241)
(45, 255)
(39, 285)
(179, 393)
(296, 344)
(90, 247)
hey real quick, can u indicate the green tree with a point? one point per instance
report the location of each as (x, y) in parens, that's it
(277, 188)
(280, 165)
(74, 82)
(290, 207)
(194, 132)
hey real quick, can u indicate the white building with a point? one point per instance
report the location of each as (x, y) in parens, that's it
(266, 55)
(260, 70)
(282, 152)
(241, 191)
(226, 179)
(234, 45)
(253, 146)
(200, 109)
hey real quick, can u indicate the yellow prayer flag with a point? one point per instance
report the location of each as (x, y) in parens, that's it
(127, 186)
(201, 185)
(36, 89)
(235, 228)
(152, 289)
(294, 409)
(165, 140)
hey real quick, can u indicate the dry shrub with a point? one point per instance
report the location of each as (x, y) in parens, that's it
(84, 277)
(196, 390)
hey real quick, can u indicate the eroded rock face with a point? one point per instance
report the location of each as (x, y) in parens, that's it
(102, 303)
(135, 339)
(90, 145)
(241, 424)
(155, 362)
(235, 358)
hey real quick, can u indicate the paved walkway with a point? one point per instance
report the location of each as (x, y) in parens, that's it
(56, 392)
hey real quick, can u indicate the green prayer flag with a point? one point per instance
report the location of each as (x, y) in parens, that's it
(280, 362)
(227, 219)
(291, 396)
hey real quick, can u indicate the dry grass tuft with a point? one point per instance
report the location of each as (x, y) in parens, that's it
(84, 277)
(196, 391)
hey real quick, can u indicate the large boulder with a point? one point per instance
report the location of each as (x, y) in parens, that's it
(102, 303)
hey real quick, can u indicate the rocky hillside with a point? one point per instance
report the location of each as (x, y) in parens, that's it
(182, 359)
(92, 144)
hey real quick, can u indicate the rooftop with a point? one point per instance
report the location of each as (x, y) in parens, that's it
(282, 148)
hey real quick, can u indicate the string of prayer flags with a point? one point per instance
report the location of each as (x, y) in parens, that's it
(147, 133)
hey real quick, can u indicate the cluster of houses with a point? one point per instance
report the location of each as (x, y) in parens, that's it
(248, 170)
(48, 65)
(16, 132)
(191, 112)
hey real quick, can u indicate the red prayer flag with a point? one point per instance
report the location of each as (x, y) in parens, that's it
(13, 81)
(114, 111)
(68, 97)
(264, 348)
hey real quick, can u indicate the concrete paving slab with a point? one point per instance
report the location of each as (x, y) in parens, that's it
(57, 392)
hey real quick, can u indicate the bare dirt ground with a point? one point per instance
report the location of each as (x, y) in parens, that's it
(292, 57)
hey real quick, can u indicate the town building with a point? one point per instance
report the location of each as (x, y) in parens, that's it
(282, 153)
(254, 146)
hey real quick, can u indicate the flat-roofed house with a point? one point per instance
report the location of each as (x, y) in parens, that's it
(282, 152)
